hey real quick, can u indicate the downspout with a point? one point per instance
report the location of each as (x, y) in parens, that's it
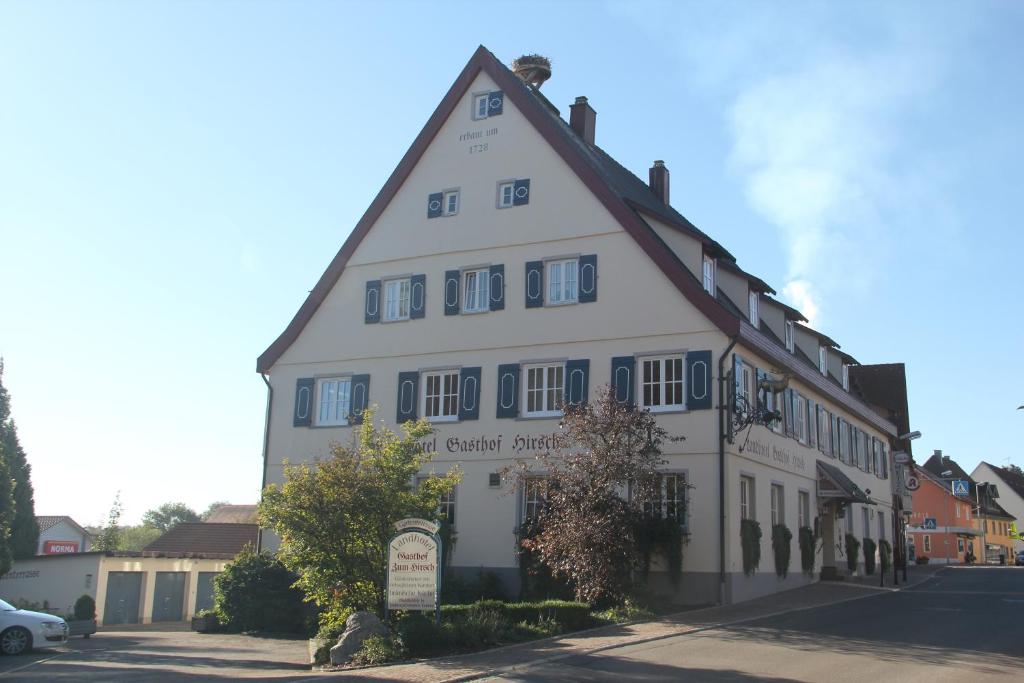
(266, 453)
(723, 413)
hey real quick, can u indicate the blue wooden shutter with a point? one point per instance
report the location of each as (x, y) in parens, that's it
(496, 285)
(434, 204)
(408, 396)
(819, 419)
(812, 423)
(577, 381)
(834, 431)
(588, 278)
(371, 307)
(698, 380)
(534, 284)
(469, 393)
(360, 397)
(303, 415)
(417, 296)
(508, 390)
(452, 279)
(623, 374)
(521, 192)
(495, 103)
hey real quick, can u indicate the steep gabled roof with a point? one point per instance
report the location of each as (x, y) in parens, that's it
(937, 464)
(49, 521)
(611, 184)
(1010, 478)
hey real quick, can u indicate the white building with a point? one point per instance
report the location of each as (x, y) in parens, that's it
(1011, 493)
(59, 534)
(509, 266)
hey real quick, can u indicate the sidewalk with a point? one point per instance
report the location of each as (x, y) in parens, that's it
(513, 657)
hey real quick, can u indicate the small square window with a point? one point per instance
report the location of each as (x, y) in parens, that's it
(563, 281)
(476, 290)
(494, 480)
(487, 104)
(544, 390)
(440, 401)
(396, 299)
(451, 203)
(506, 194)
(334, 401)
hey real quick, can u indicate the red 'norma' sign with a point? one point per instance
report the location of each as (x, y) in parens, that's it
(59, 547)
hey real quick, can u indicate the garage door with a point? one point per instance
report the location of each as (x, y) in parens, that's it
(204, 590)
(169, 596)
(122, 603)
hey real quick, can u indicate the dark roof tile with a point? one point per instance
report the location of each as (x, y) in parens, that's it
(206, 537)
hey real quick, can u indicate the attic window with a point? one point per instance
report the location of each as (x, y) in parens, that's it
(790, 337)
(846, 376)
(709, 275)
(755, 318)
(488, 104)
(823, 360)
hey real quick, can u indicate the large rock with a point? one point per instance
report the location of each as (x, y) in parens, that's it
(358, 628)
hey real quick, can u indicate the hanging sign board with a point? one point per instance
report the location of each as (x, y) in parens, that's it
(900, 458)
(414, 567)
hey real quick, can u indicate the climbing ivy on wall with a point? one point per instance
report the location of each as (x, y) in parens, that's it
(750, 539)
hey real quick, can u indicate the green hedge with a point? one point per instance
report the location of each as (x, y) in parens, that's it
(571, 615)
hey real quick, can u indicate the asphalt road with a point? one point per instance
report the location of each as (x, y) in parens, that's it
(963, 625)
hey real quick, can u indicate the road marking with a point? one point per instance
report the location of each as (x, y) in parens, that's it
(916, 591)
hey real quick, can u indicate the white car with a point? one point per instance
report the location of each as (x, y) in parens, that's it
(20, 629)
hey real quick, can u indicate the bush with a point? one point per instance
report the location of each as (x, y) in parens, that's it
(807, 549)
(571, 615)
(377, 650)
(782, 546)
(460, 590)
(85, 608)
(420, 636)
(627, 612)
(869, 556)
(885, 554)
(921, 559)
(255, 593)
(750, 539)
(852, 548)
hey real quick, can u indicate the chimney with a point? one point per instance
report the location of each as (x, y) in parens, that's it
(583, 119)
(659, 180)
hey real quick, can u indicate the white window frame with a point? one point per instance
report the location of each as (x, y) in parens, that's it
(822, 359)
(927, 543)
(661, 386)
(449, 198)
(803, 508)
(747, 384)
(790, 336)
(778, 501)
(771, 399)
(674, 508)
(486, 98)
(509, 185)
(748, 499)
(533, 500)
(387, 315)
(442, 399)
(755, 315)
(547, 389)
(800, 418)
(566, 295)
(864, 517)
(708, 279)
(846, 376)
(959, 546)
(342, 408)
(482, 292)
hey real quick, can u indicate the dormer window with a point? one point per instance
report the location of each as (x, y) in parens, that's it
(823, 360)
(790, 337)
(709, 275)
(488, 104)
(846, 376)
(755, 318)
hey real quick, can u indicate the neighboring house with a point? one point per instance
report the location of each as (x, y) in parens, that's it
(942, 526)
(1011, 495)
(59, 534)
(170, 580)
(510, 267)
(233, 514)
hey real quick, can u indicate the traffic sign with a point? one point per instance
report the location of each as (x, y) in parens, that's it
(913, 483)
(901, 458)
(961, 489)
(931, 523)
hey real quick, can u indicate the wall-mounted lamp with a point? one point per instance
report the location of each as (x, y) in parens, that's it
(909, 436)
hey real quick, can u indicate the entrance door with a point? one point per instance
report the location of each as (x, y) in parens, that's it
(169, 596)
(122, 603)
(204, 590)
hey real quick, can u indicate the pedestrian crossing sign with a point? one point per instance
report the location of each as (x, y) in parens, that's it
(960, 488)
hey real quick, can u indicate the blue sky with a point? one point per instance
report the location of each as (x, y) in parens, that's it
(174, 177)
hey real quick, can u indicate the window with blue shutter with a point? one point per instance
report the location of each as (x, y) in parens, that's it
(521, 192)
(698, 380)
(623, 369)
(762, 394)
(812, 424)
(371, 307)
(435, 202)
(534, 284)
(417, 296)
(469, 394)
(408, 396)
(487, 104)
(451, 292)
(788, 410)
(303, 414)
(508, 390)
(360, 397)
(588, 278)
(495, 103)
(497, 287)
(577, 381)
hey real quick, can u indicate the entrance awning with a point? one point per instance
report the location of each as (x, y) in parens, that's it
(834, 485)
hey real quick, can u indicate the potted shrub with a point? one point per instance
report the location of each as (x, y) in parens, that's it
(84, 621)
(205, 621)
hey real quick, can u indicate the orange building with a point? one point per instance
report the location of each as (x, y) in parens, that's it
(942, 526)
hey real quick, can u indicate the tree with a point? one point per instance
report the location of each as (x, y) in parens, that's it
(110, 537)
(213, 507)
(137, 537)
(1014, 469)
(168, 515)
(587, 532)
(24, 527)
(335, 519)
(7, 483)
